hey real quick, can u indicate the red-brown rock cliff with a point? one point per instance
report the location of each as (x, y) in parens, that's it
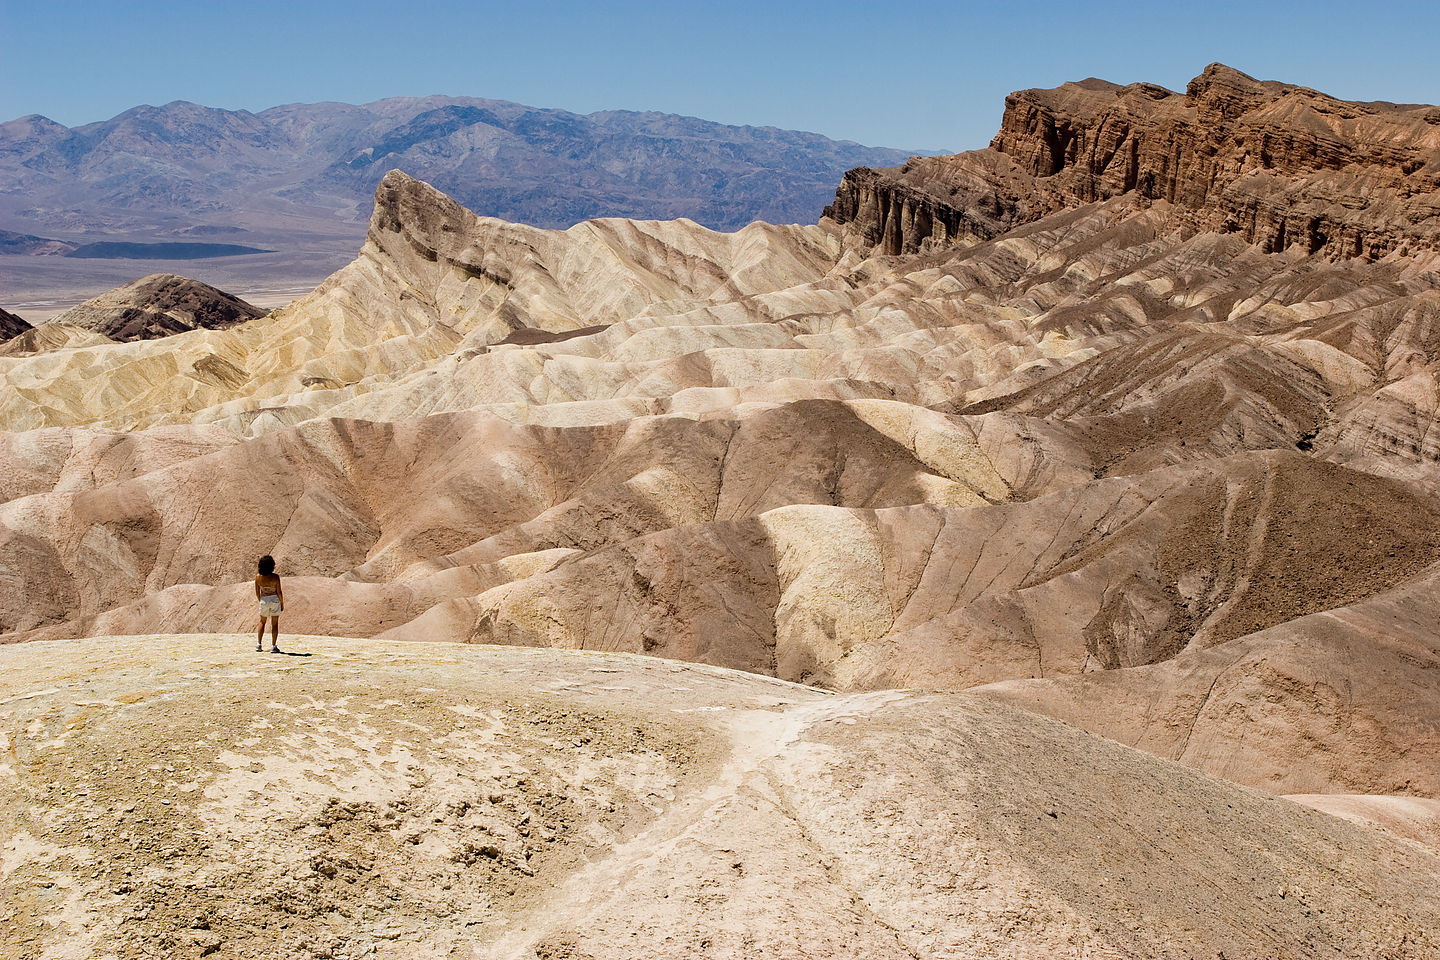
(1280, 165)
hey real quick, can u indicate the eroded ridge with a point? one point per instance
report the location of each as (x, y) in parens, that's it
(1160, 475)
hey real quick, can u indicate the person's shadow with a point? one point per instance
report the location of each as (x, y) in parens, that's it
(290, 653)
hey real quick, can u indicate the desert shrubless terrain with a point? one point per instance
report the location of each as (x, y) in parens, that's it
(179, 796)
(1124, 422)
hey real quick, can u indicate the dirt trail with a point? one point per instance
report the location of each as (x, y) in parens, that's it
(187, 797)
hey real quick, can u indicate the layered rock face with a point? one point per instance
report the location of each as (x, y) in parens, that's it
(1279, 166)
(156, 306)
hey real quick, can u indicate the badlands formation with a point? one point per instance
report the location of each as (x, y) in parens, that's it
(155, 306)
(1125, 422)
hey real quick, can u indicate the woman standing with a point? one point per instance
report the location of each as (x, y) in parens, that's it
(272, 601)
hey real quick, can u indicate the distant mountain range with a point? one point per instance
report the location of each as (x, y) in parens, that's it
(185, 170)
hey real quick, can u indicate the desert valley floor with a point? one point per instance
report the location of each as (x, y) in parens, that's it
(1037, 557)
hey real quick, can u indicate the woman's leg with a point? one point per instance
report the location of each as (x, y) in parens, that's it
(274, 633)
(260, 637)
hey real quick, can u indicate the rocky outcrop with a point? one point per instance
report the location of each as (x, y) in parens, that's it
(159, 305)
(1279, 165)
(935, 201)
(435, 284)
(894, 217)
(11, 325)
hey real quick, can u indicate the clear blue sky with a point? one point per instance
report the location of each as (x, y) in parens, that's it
(912, 75)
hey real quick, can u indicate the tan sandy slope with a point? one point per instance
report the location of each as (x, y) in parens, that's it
(1335, 702)
(1146, 475)
(185, 796)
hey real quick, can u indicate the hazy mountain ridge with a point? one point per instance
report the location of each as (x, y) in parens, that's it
(171, 167)
(25, 244)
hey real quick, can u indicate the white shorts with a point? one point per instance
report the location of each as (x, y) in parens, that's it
(269, 607)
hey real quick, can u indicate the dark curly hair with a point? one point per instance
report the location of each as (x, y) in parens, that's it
(267, 564)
